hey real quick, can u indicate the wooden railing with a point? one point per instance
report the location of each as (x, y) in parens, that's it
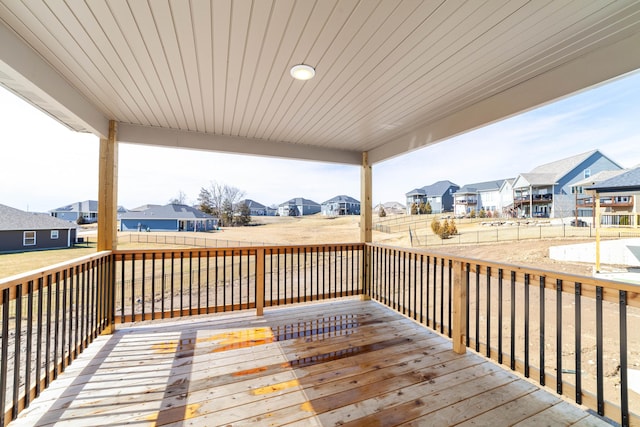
(49, 317)
(154, 284)
(567, 332)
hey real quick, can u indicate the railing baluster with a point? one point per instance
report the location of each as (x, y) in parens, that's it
(441, 296)
(599, 351)
(63, 335)
(500, 314)
(426, 293)
(542, 330)
(47, 354)
(153, 285)
(404, 283)
(513, 321)
(477, 308)
(467, 305)
(450, 299)
(4, 354)
(56, 328)
(17, 341)
(172, 281)
(578, 341)
(144, 285)
(559, 335)
(488, 353)
(29, 345)
(624, 384)
(208, 282)
(298, 272)
(163, 284)
(526, 324)
(133, 286)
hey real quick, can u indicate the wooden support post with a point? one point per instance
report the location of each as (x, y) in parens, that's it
(366, 221)
(260, 282)
(459, 319)
(108, 191)
(597, 224)
(107, 213)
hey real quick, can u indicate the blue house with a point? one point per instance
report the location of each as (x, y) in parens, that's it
(88, 210)
(171, 217)
(298, 207)
(340, 205)
(546, 191)
(439, 195)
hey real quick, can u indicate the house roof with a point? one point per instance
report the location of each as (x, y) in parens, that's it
(526, 179)
(170, 211)
(560, 168)
(598, 177)
(252, 204)
(15, 219)
(436, 189)
(299, 201)
(85, 206)
(629, 180)
(391, 77)
(341, 199)
(481, 186)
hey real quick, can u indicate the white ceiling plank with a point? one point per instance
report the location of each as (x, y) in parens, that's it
(271, 61)
(135, 54)
(261, 14)
(318, 32)
(164, 18)
(325, 54)
(391, 75)
(588, 70)
(278, 76)
(221, 34)
(201, 14)
(147, 26)
(33, 73)
(240, 19)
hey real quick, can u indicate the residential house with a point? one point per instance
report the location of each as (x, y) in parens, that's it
(439, 195)
(340, 205)
(619, 198)
(390, 208)
(257, 209)
(478, 196)
(584, 199)
(87, 210)
(506, 198)
(171, 217)
(26, 231)
(546, 190)
(298, 206)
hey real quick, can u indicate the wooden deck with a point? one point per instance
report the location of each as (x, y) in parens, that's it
(346, 362)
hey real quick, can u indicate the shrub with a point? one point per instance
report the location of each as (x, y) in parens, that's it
(427, 208)
(414, 209)
(452, 230)
(472, 214)
(382, 213)
(80, 220)
(435, 226)
(482, 213)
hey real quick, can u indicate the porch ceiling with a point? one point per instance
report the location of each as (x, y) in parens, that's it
(391, 76)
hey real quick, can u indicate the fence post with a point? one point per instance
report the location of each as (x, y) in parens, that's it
(259, 281)
(459, 315)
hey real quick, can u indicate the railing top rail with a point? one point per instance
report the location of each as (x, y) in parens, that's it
(537, 272)
(34, 275)
(222, 250)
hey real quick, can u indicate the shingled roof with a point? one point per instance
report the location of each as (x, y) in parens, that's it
(170, 211)
(560, 168)
(629, 180)
(15, 219)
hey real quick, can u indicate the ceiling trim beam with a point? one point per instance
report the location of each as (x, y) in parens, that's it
(29, 71)
(593, 68)
(145, 135)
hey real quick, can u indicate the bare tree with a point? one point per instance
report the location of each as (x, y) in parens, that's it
(220, 200)
(180, 199)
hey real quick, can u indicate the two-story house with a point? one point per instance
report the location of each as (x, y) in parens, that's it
(298, 206)
(439, 195)
(545, 191)
(478, 196)
(341, 205)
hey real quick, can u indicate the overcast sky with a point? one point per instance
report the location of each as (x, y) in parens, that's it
(44, 165)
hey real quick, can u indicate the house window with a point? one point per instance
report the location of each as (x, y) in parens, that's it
(29, 238)
(54, 234)
(587, 173)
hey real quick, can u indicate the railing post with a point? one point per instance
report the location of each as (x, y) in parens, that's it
(260, 282)
(110, 328)
(459, 308)
(366, 275)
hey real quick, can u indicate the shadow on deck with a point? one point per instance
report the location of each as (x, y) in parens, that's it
(347, 362)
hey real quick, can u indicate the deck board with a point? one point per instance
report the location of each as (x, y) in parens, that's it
(346, 362)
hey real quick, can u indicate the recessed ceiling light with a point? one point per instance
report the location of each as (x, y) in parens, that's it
(302, 72)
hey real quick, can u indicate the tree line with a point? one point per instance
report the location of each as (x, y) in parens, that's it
(221, 201)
